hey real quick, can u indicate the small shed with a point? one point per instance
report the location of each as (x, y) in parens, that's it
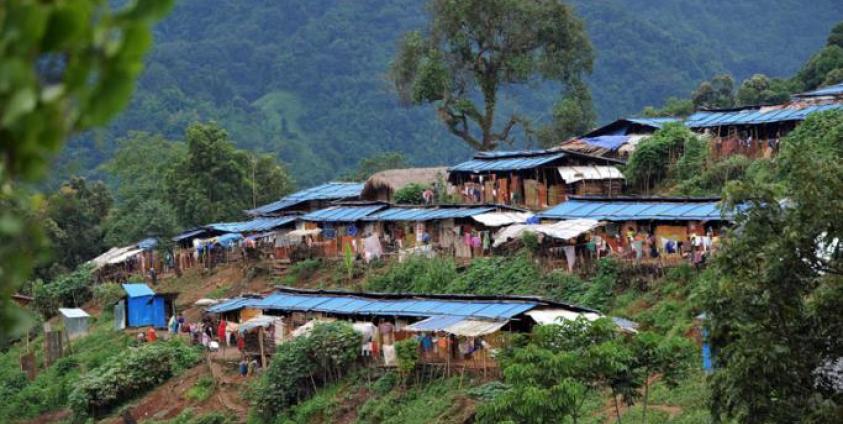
(75, 322)
(144, 307)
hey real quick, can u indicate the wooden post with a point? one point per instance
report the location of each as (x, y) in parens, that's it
(260, 343)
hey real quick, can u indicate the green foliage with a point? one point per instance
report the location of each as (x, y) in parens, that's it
(188, 416)
(410, 194)
(673, 106)
(62, 72)
(323, 356)
(76, 213)
(201, 390)
(216, 182)
(714, 94)
(107, 294)
(126, 376)
(67, 290)
(348, 261)
(407, 352)
(438, 401)
(712, 179)
(417, 274)
(671, 152)
(376, 163)
(484, 47)
(573, 115)
(760, 90)
(777, 293)
(553, 376)
(385, 384)
(814, 73)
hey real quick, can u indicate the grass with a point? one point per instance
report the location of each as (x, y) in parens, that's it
(21, 399)
(202, 390)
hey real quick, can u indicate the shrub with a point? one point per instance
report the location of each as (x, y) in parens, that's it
(407, 352)
(385, 384)
(300, 364)
(417, 274)
(410, 194)
(68, 290)
(125, 376)
(108, 294)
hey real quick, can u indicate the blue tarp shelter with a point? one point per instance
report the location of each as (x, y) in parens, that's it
(145, 308)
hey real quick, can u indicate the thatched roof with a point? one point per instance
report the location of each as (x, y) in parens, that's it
(395, 179)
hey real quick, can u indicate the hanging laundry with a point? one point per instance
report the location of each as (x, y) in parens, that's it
(570, 256)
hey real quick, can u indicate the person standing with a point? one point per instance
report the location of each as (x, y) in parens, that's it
(151, 335)
(153, 276)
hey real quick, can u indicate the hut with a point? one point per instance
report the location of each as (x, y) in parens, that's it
(617, 139)
(753, 131)
(452, 330)
(310, 199)
(452, 229)
(382, 186)
(75, 322)
(143, 307)
(662, 229)
(338, 226)
(534, 179)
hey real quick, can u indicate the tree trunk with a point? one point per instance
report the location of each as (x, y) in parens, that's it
(617, 407)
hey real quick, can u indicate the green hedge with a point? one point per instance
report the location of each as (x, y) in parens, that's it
(125, 376)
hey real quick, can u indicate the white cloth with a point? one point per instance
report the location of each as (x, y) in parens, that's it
(570, 256)
(390, 359)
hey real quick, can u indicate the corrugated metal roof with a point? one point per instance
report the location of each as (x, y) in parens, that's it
(188, 234)
(653, 122)
(148, 243)
(232, 304)
(73, 313)
(360, 306)
(257, 224)
(137, 290)
(458, 325)
(572, 174)
(706, 119)
(328, 191)
(427, 214)
(630, 210)
(507, 161)
(342, 213)
(831, 90)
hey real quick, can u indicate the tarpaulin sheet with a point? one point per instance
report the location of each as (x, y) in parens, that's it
(497, 219)
(610, 142)
(561, 230)
(457, 325)
(572, 174)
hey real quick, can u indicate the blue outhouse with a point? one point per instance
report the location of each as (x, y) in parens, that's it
(144, 307)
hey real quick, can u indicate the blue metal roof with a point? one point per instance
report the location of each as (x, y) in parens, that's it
(342, 213)
(611, 142)
(653, 122)
(506, 161)
(232, 305)
(754, 116)
(340, 304)
(631, 210)
(147, 243)
(188, 234)
(831, 90)
(137, 290)
(257, 224)
(427, 214)
(328, 191)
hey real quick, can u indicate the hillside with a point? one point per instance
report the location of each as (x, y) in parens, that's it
(305, 81)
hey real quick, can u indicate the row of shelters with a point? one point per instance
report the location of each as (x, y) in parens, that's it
(452, 330)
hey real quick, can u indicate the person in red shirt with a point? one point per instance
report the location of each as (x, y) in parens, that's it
(151, 335)
(221, 331)
(241, 342)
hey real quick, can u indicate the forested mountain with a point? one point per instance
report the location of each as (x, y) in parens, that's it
(306, 80)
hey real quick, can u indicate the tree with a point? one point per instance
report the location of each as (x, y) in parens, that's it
(410, 194)
(574, 115)
(671, 152)
(216, 182)
(139, 172)
(672, 107)
(210, 184)
(666, 356)
(67, 66)
(480, 47)
(835, 37)
(379, 162)
(714, 94)
(78, 210)
(815, 71)
(759, 89)
(773, 313)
